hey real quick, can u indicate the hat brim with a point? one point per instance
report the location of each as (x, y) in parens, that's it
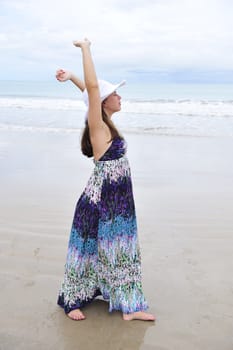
(114, 88)
(103, 97)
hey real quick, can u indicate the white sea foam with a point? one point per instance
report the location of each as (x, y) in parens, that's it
(159, 116)
(41, 103)
(183, 107)
(206, 108)
(15, 127)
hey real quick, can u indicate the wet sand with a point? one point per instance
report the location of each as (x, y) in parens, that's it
(183, 190)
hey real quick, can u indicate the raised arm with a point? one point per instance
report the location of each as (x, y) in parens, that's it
(64, 75)
(95, 120)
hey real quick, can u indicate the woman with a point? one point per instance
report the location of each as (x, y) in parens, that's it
(103, 254)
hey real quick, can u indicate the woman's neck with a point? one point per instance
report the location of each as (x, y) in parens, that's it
(108, 113)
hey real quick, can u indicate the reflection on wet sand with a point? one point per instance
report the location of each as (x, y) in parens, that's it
(101, 330)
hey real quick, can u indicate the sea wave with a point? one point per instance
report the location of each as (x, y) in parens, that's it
(161, 130)
(52, 129)
(164, 130)
(160, 116)
(178, 107)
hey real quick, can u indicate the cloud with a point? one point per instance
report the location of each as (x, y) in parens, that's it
(127, 36)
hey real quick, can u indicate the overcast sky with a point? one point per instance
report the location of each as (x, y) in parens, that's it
(155, 40)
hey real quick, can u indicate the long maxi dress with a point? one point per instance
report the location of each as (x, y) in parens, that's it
(103, 253)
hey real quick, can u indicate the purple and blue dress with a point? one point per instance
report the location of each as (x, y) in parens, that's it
(103, 253)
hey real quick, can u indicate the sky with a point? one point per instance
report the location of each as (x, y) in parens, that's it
(142, 40)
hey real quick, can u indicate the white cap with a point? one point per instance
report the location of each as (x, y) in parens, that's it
(105, 88)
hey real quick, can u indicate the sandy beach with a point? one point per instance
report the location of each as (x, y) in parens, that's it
(183, 190)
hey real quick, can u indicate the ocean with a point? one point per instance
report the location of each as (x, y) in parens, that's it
(160, 109)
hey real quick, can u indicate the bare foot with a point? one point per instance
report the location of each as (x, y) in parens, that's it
(140, 315)
(76, 315)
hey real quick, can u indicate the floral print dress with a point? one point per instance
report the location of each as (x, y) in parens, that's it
(103, 254)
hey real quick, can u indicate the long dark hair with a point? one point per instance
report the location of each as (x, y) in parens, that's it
(86, 145)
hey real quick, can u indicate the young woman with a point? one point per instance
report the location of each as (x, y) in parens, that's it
(103, 254)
